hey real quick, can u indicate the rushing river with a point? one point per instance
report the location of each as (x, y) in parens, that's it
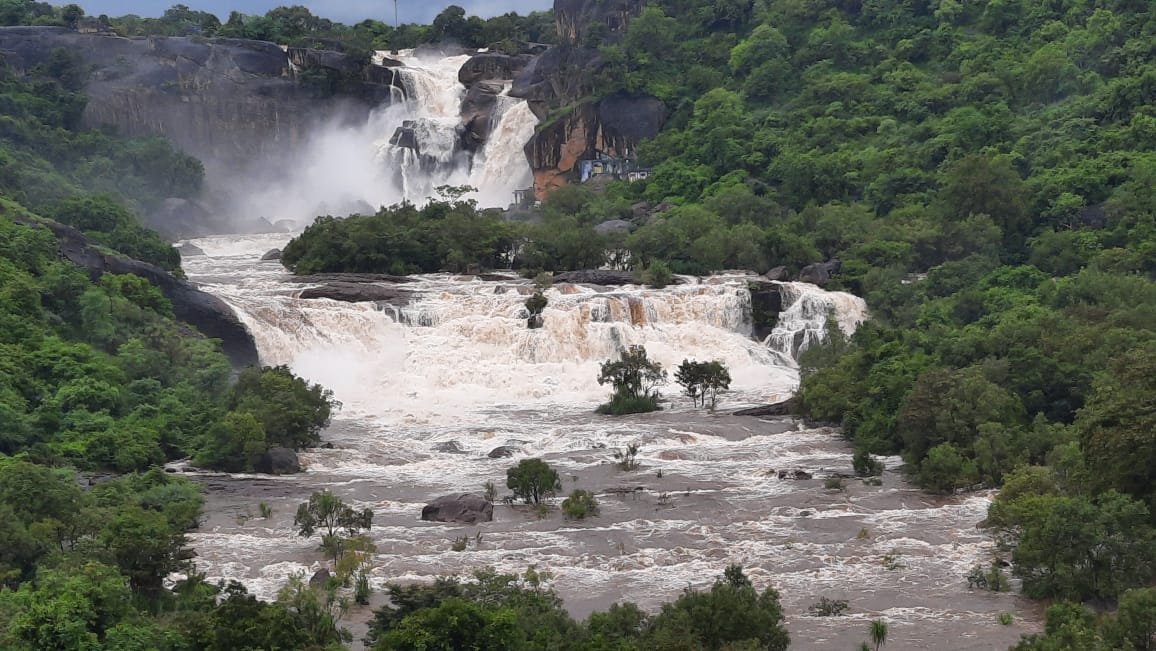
(430, 389)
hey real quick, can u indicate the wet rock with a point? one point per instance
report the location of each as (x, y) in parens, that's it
(783, 408)
(477, 112)
(271, 254)
(320, 578)
(491, 66)
(279, 461)
(535, 321)
(351, 278)
(820, 272)
(358, 293)
(502, 451)
(467, 508)
(189, 250)
(794, 474)
(779, 274)
(449, 447)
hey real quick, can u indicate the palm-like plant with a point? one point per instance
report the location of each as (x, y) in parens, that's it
(878, 633)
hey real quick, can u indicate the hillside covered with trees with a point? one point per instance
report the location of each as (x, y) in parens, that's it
(983, 170)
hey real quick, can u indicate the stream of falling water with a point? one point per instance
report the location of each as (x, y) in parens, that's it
(431, 389)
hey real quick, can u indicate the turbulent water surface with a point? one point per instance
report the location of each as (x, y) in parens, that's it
(430, 389)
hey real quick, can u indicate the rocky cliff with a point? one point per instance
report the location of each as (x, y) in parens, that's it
(560, 77)
(205, 312)
(226, 101)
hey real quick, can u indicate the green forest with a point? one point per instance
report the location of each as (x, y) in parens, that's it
(984, 171)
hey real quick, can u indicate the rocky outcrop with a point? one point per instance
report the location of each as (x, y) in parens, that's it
(502, 451)
(358, 293)
(226, 101)
(784, 408)
(779, 274)
(205, 312)
(612, 127)
(467, 508)
(578, 21)
(188, 250)
(766, 303)
(490, 66)
(271, 254)
(279, 461)
(320, 578)
(478, 112)
(820, 272)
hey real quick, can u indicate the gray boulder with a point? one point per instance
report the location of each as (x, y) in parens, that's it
(614, 226)
(467, 508)
(189, 250)
(449, 447)
(502, 451)
(320, 578)
(358, 293)
(820, 272)
(279, 461)
(778, 274)
(271, 254)
(491, 65)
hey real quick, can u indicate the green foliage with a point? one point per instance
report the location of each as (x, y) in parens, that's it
(443, 235)
(635, 379)
(827, 607)
(579, 504)
(290, 410)
(532, 480)
(992, 578)
(700, 380)
(337, 522)
(512, 612)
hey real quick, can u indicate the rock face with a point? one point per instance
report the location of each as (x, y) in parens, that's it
(226, 101)
(561, 77)
(491, 65)
(358, 293)
(784, 408)
(205, 312)
(467, 508)
(279, 461)
(502, 451)
(320, 578)
(478, 112)
(820, 272)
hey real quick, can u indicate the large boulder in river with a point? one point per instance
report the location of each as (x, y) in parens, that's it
(467, 508)
(478, 112)
(279, 461)
(271, 254)
(779, 274)
(358, 293)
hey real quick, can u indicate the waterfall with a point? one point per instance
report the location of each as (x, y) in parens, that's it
(501, 166)
(803, 321)
(403, 152)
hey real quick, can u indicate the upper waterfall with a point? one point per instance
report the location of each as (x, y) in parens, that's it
(403, 152)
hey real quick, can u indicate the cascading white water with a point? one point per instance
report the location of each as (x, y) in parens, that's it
(432, 121)
(433, 389)
(343, 169)
(802, 323)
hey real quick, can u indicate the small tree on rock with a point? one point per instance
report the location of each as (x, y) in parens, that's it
(702, 380)
(327, 514)
(532, 480)
(635, 379)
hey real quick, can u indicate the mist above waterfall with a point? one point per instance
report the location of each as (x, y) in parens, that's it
(402, 152)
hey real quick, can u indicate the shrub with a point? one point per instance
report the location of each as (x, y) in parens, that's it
(621, 405)
(866, 465)
(579, 504)
(532, 480)
(826, 607)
